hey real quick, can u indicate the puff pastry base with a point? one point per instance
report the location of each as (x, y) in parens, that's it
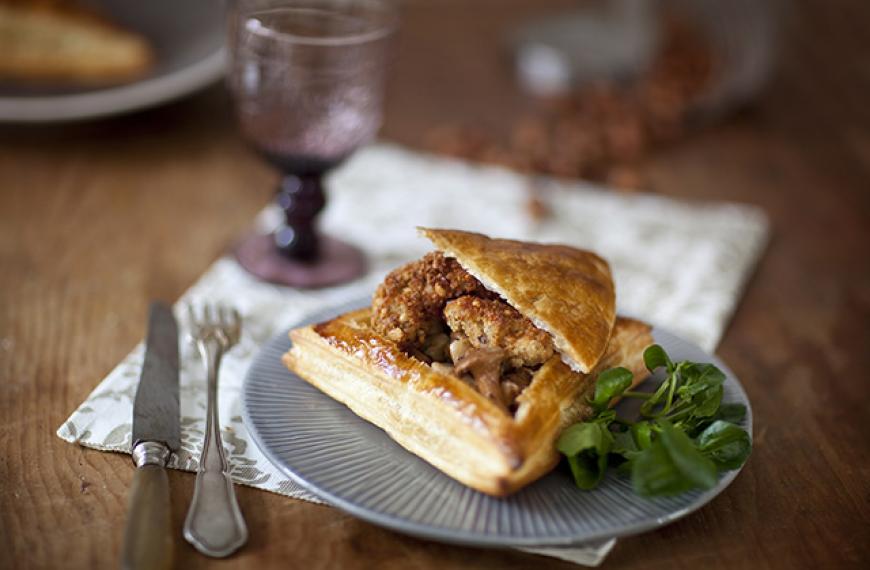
(442, 419)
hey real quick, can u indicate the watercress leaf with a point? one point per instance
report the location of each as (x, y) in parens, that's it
(588, 469)
(585, 436)
(610, 384)
(697, 378)
(692, 465)
(670, 465)
(693, 426)
(655, 356)
(586, 445)
(731, 412)
(605, 417)
(711, 373)
(642, 433)
(648, 407)
(726, 444)
(578, 437)
(623, 444)
(707, 402)
(653, 473)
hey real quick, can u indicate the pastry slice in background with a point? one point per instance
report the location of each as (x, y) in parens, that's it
(64, 43)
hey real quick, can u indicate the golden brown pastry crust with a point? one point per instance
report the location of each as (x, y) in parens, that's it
(565, 291)
(442, 419)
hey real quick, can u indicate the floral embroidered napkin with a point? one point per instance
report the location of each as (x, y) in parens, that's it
(376, 200)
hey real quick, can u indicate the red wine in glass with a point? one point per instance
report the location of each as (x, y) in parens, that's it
(307, 80)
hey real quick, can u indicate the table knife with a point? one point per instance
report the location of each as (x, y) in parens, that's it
(148, 539)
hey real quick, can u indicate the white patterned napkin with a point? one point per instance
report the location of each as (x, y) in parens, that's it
(675, 264)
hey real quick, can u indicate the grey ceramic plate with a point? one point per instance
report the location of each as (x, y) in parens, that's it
(350, 463)
(187, 37)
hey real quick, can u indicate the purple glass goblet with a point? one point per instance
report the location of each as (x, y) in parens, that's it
(307, 78)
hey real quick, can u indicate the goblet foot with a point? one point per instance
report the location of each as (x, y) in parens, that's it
(337, 262)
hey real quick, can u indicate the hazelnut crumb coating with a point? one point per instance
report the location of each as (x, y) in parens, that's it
(495, 324)
(407, 306)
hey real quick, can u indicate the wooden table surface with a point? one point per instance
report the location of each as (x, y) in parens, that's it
(97, 219)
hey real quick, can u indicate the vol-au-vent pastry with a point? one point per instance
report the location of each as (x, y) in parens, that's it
(478, 355)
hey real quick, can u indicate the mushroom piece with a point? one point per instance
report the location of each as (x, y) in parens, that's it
(443, 368)
(458, 347)
(513, 384)
(485, 365)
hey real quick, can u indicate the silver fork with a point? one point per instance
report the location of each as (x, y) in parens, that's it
(214, 523)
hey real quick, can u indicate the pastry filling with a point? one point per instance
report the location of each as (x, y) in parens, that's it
(440, 314)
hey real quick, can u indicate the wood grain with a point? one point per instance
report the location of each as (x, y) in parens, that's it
(97, 219)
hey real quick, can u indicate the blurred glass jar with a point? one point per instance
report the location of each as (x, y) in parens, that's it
(618, 40)
(744, 35)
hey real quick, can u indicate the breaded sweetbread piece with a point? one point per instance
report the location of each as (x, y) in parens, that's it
(408, 304)
(494, 323)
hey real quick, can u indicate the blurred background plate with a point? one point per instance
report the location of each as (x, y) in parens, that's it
(357, 467)
(188, 42)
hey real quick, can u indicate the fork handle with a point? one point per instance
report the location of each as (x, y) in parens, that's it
(214, 523)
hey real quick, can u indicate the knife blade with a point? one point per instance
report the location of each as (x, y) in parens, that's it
(148, 540)
(156, 409)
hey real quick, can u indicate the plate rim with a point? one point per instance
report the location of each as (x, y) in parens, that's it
(110, 101)
(446, 535)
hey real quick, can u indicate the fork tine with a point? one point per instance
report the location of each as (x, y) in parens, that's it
(218, 320)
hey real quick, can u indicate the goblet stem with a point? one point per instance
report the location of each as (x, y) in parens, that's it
(301, 197)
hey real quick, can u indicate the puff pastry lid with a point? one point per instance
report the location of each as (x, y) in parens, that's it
(565, 291)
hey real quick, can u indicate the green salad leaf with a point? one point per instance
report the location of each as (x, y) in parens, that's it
(642, 432)
(586, 446)
(671, 465)
(733, 413)
(609, 385)
(684, 437)
(656, 357)
(726, 444)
